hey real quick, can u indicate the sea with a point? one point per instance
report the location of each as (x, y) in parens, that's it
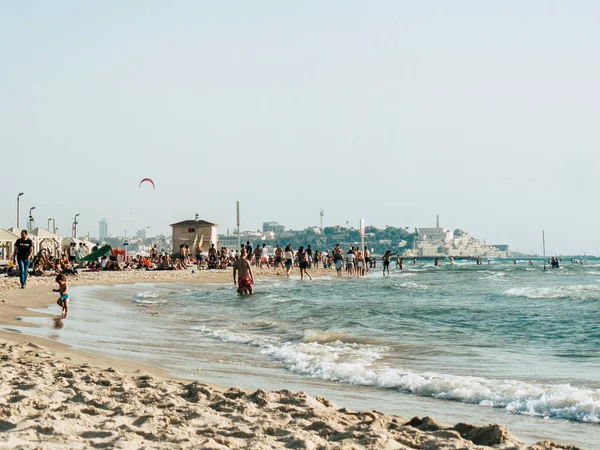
(505, 343)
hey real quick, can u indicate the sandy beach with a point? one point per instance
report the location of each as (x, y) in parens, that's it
(54, 397)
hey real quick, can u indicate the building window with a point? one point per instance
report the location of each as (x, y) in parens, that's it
(191, 230)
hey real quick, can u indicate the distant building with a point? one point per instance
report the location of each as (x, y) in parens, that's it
(228, 241)
(140, 234)
(189, 231)
(103, 234)
(274, 227)
(441, 242)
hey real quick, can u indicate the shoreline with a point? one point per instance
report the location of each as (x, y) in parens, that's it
(200, 414)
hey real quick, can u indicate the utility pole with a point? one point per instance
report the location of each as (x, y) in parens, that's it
(238, 225)
(544, 247)
(362, 235)
(321, 214)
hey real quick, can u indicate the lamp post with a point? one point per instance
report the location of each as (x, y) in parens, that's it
(54, 226)
(31, 217)
(19, 195)
(75, 226)
(48, 227)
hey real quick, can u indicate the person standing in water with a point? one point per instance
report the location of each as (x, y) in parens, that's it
(63, 290)
(288, 255)
(367, 254)
(386, 261)
(338, 259)
(245, 279)
(303, 262)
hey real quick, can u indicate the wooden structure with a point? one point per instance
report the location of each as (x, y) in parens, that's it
(189, 231)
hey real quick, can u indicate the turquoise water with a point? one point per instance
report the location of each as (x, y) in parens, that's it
(497, 339)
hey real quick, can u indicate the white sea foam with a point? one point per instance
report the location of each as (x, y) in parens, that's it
(361, 365)
(580, 292)
(408, 285)
(411, 285)
(147, 294)
(496, 276)
(149, 298)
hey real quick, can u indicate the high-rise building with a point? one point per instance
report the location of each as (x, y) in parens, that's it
(103, 234)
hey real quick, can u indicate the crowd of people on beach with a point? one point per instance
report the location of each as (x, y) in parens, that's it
(354, 262)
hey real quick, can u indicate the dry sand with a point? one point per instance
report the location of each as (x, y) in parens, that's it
(54, 397)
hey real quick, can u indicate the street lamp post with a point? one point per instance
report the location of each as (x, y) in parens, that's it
(31, 217)
(48, 227)
(75, 226)
(54, 226)
(19, 195)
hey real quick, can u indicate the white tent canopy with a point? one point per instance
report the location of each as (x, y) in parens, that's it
(7, 243)
(44, 239)
(67, 242)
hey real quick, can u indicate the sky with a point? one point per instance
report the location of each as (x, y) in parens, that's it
(485, 113)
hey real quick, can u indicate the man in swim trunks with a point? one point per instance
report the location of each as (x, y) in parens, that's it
(386, 261)
(245, 281)
(212, 253)
(278, 256)
(257, 253)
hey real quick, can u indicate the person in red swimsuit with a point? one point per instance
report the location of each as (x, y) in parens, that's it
(245, 279)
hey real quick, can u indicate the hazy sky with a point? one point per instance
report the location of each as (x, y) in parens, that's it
(485, 113)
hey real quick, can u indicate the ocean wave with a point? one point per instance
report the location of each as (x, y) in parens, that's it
(321, 336)
(361, 365)
(147, 295)
(142, 301)
(406, 285)
(149, 298)
(580, 292)
(497, 276)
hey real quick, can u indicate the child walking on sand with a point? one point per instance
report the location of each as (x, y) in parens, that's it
(63, 290)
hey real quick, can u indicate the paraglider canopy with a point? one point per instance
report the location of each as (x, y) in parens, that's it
(149, 180)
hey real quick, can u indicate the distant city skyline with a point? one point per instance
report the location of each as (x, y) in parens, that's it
(103, 224)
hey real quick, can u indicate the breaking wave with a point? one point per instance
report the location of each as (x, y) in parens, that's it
(335, 360)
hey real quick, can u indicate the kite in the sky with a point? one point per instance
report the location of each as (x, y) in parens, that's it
(149, 180)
